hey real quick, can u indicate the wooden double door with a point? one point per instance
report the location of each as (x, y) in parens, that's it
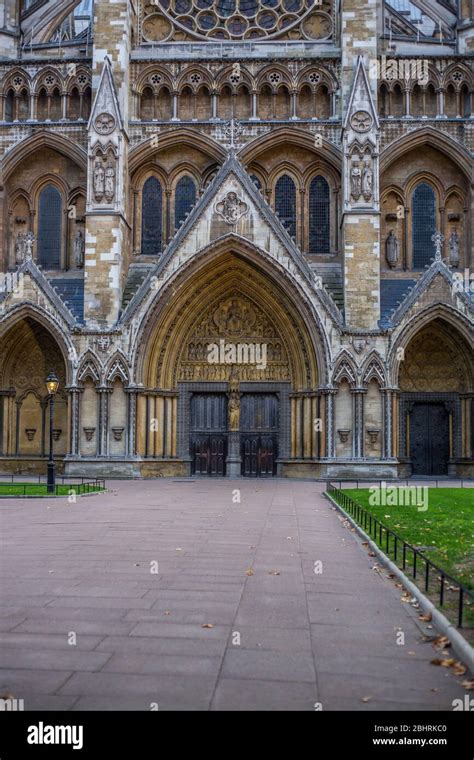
(258, 434)
(429, 439)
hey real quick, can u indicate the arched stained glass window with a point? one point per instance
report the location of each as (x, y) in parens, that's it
(152, 216)
(50, 228)
(285, 203)
(423, 225)
(185, 198)
(319, 216)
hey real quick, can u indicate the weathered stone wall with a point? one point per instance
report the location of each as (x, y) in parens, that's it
(362, 270)
(106, 238)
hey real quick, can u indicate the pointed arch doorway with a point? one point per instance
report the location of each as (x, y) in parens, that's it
(436, 385)
(224, 362)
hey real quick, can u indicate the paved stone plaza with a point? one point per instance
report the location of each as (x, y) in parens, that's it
(226, 571)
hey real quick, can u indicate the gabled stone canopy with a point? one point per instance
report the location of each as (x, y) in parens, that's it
(438, 284)
(106, 97)
(232, 206)
(28, 285)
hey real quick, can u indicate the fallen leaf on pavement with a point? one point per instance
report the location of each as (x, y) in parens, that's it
(441, 642)
(425, 618)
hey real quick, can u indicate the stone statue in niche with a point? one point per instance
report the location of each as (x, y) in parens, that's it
(79, 248)
(356, 181)
(29, 243)
(367, 181)
(20, 248)
(454, 249)
(110, 182)
(99, 181)
(234, 411)
(392, 248)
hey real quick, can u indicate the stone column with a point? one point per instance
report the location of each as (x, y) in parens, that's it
(254, 114)
(441, 103)
(74, 396)
(467, 422)
(407, 102)
(17, 426)
(4, 417)
(64, 106)
(233, 460)
(328, 394)
(293, 106)
(33, 107)
(132, 421)
(174, 116)
(103, 437)
(387, 452)
(358, 417)
(16, 106)
(214, 106)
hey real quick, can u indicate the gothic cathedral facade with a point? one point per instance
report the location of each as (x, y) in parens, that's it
(240, 232)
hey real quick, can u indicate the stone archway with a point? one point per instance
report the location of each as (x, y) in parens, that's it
(231, 344)
(436, 401)
(29, 351)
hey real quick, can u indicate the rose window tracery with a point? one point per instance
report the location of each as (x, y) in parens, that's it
(236, 19)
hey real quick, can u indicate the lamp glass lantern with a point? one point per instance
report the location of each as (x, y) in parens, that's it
(52, 383)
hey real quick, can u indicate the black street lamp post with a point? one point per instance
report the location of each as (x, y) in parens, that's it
(52, 385)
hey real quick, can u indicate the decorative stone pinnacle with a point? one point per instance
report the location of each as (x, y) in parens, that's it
(232, 130)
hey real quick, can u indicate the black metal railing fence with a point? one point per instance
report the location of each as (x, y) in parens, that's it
(396, 548)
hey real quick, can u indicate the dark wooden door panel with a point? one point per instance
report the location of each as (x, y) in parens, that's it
(208, 454)
(209, 411)
(259, 411)
(249, 455)
(439, 434)
(429, 439)
(259, 453)
(267, 455)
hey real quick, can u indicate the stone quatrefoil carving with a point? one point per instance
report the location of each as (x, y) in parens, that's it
(231, 208)
(361, 121)
(104, 124)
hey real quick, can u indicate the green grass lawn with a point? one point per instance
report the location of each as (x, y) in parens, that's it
(447, 526)
(444, 532)
(39, 489)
